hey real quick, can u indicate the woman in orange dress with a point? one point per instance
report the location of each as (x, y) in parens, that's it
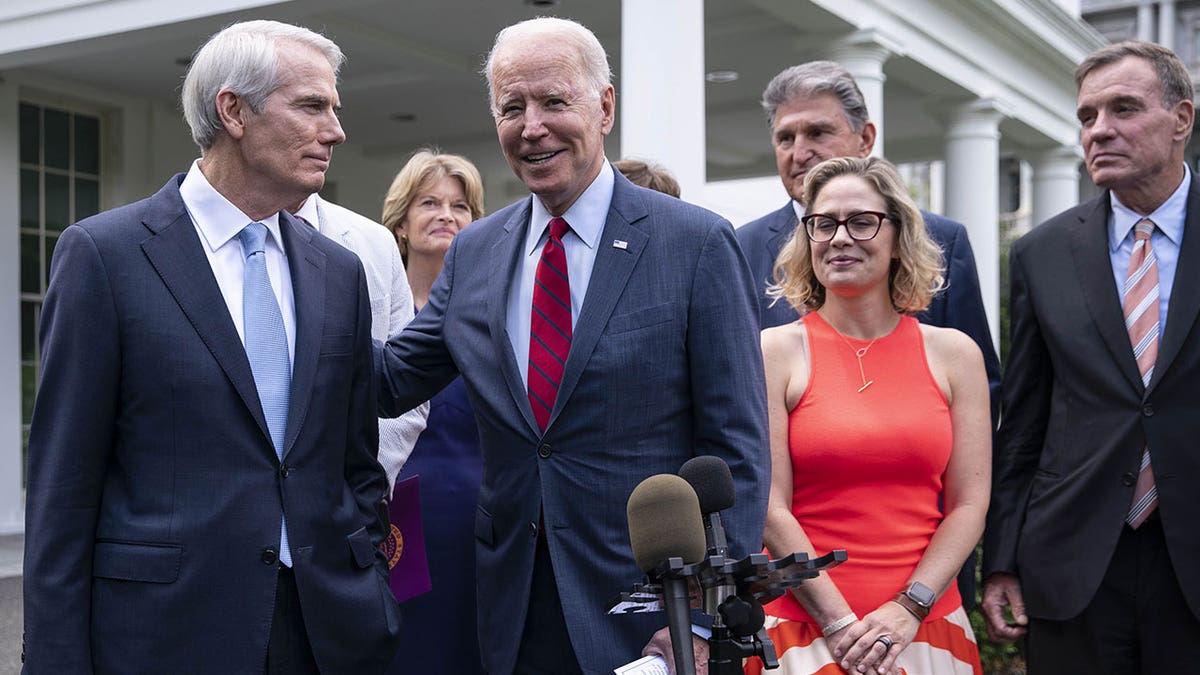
(880, 437)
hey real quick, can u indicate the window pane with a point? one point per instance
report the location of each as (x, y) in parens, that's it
(87, 198)
(50, 242)
(87, 144)
(30, 204)
(28, 391)
(58, 139)
(58, 202)
(31, 268)
(28, 330)
(31, 129)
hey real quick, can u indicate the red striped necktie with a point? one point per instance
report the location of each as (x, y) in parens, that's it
(550, 324)
(1140, 300)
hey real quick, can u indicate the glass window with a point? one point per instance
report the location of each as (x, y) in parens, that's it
(31, 210)
(60, 184)
(31, 131)
(87, 198)
(57, 139)
(87, 144)
(58, 202)
(31, 263)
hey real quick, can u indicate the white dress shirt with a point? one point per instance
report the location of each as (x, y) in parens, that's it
(218, 223)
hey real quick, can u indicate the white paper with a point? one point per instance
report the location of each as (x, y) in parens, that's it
(647, 665)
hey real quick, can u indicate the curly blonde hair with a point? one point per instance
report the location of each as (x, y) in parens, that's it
(916, 275)
(426, 167)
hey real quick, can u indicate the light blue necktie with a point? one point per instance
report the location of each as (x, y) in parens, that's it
(267, 348)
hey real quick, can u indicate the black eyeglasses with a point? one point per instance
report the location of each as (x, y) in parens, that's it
(861, 226)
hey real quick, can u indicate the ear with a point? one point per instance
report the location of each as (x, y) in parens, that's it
(1185, 116)
(866, 139)
(232, 110)
(608, 109)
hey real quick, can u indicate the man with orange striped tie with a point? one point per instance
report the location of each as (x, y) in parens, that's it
(1093, 537)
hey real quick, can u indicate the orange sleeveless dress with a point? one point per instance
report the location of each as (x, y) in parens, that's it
(867, 468)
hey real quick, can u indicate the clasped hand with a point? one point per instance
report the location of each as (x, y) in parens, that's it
(858, 649)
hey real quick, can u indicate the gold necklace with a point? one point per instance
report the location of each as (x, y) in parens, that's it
(859, 354)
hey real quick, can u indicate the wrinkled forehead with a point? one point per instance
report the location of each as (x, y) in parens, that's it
(549, 62)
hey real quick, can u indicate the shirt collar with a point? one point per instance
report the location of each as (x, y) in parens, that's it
(310, 213)
(799, 209)
(217, 219)
(586, 216)
(1169, 217)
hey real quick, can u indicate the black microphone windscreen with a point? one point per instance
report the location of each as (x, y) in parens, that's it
(709, 476)
(665, 522)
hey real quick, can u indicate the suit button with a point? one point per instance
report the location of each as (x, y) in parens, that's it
(533, 529)
(283, 470)
(270, 557)
(1148, 410)
(1128, 479)
(545, 450)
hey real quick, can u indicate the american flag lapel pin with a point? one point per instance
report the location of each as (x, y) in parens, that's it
(621, 244)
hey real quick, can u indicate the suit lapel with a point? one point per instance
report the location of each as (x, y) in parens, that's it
(1089, 248)
(1185, 302)
(782, 226)
(306, 265)
(176, 253)
(509, 248)
(610, 275)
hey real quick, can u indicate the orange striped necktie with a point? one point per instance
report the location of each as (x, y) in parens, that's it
(1140, 300)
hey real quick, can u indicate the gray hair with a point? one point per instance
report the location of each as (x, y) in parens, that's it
(592, 57)
(817, 78)
(1173, 76)
(242, 58)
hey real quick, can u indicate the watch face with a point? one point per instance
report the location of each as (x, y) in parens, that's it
(920, 593)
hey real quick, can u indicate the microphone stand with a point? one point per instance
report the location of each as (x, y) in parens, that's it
(755, 579)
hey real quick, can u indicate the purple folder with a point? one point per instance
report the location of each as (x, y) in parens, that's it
(405, 545)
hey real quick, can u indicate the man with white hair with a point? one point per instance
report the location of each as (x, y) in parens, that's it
(605, 333)
(203, 489)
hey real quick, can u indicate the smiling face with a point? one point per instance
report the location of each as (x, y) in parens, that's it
(845, 266)
(810, 130)
(285, 148)
(438, 211)
(1132, 144)
(550, 124)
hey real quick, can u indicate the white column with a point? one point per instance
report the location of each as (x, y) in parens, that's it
(863, 54)
(973, 192)
(662, 88)
(12, 518)
(1145, 21)
(1166, 23)
(1055, 182)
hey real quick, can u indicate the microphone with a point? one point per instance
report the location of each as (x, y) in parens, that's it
(709, 476)
(664, 523)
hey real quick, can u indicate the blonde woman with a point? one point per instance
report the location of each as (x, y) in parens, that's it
(434, 197)
(880, 439)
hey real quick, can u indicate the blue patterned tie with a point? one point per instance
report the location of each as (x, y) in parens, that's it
(267, 348)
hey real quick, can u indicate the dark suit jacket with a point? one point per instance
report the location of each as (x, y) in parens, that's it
(154, 492)
(959, 306)
(1077, 416)
(664, 365)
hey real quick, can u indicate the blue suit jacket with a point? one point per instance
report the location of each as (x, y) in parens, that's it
(154, 492)
(959, 306)
(664, 365)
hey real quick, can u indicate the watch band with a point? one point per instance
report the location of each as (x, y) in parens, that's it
(912, 606)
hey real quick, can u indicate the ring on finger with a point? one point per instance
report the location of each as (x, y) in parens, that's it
(885, 641)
